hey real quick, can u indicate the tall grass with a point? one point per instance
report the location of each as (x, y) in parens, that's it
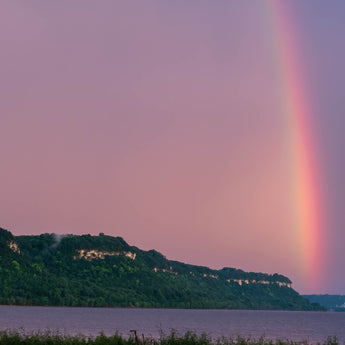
(10, 337)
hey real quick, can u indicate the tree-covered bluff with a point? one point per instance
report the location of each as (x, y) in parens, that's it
(104, 271)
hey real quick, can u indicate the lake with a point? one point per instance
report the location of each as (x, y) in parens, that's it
(312, 326)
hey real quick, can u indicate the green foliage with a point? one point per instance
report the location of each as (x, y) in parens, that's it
(331, 302)
(48, 271)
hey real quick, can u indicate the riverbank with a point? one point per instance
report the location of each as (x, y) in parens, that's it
(10, 337)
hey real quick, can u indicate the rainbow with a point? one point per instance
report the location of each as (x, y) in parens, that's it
(307, 217)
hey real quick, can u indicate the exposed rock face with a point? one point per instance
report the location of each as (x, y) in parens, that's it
(14, 246)
(156, 269)
(265, 282)
(98, 254)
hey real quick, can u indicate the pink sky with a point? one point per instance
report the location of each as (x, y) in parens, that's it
(156, 121)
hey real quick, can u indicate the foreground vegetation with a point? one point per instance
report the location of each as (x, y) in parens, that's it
(49, 270)
(50, 338)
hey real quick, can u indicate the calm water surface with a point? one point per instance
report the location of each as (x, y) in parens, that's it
(312, 326)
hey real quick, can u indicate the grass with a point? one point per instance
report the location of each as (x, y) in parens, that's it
(10, 337)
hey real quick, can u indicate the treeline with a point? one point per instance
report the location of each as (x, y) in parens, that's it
(45, 270)
(331, 302)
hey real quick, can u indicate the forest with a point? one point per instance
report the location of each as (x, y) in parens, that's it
(331, 302)
(105, 271)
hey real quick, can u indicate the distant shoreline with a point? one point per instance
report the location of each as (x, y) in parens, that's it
(162, 308)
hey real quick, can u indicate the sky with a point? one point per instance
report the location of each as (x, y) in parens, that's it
(166, 123)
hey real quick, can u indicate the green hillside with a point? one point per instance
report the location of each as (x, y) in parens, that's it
(331, 302)
(104, 271)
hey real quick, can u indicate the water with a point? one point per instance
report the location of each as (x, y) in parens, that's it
(312, 326)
